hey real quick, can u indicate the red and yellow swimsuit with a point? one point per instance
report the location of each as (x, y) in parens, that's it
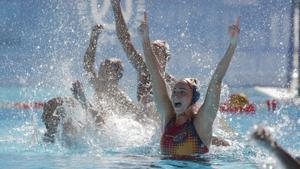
(181, 141)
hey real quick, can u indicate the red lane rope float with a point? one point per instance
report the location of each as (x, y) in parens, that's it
(224, 107)
(33, 105)
(22, 105)
(247, 109)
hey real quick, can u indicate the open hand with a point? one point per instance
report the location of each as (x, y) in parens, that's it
(97, 29)
(77, 90)
(234, 31)
(143, 28)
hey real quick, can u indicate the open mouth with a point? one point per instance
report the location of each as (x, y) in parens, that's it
(177, 104)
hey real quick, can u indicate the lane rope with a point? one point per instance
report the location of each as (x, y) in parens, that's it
(270, 105)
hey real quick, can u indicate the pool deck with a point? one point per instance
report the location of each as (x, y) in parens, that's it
(277, 93)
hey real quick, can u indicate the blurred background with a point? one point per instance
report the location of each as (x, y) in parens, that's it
(42, 43)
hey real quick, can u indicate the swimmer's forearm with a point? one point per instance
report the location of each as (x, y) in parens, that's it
(160, 91)
(161, 97)
(223, 65)
(151, 60)
(212, 98)
(214, 87)
(285, 157)
(124, 37)
(121, 27)
(264, 138)
(152, 64)
(90, 55)
(91, 50)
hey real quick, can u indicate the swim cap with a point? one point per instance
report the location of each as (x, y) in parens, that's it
(193, 84)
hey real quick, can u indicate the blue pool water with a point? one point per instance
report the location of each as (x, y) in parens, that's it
(42, 43)
(127, 144)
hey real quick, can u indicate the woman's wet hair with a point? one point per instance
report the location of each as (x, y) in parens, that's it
(114, 63)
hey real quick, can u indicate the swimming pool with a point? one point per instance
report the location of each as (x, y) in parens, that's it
(129, 144)
(42, 43)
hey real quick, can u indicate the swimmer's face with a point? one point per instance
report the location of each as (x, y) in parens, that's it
(161, 52)
(111, 70)
(181, 97)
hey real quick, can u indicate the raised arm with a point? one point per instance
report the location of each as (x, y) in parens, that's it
(90, 54)
(161, 98)
(208, 111)
(264, 138)
(78, 94)
(134, 57)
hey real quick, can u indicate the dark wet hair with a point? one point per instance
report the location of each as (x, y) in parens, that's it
(113, 62)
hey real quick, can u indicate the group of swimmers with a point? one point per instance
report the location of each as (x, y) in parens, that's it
(187, 129)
